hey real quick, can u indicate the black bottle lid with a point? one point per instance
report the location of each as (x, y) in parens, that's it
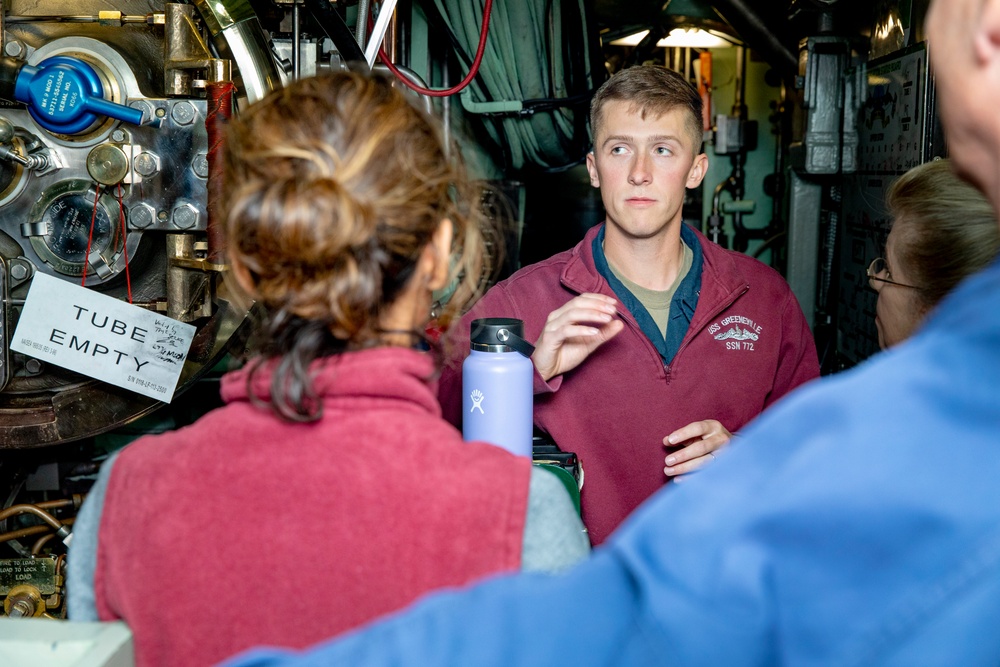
(499, 334)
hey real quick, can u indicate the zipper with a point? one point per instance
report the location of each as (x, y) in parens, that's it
(624, 313)
(629, 320)
(730, 300)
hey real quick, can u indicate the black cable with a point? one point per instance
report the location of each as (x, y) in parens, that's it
(767, 244)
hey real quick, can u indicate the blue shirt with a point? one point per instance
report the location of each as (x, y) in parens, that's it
(855, 523)
(682, 306)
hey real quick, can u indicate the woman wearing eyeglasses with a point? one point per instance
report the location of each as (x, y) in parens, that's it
(943, 230)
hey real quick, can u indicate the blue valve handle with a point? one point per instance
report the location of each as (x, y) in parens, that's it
(64, 95)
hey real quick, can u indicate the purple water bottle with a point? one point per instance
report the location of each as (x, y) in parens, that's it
(497, 389)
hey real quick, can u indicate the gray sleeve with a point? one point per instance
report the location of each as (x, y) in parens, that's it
(554, 536)
(81, 559)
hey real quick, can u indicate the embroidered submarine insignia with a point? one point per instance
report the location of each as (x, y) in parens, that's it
(737, 334)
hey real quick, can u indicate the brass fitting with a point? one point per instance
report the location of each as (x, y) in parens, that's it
(24, 601)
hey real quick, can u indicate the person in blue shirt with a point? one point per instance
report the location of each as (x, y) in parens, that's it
(857, 523)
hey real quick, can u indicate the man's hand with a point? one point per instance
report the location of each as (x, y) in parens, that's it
(700, 439)
(565, 341)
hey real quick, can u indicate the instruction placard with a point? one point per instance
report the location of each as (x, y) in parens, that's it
(103, 338)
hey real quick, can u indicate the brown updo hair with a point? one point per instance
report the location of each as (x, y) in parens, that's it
(334, 185)
(653, 90)
(947, 228)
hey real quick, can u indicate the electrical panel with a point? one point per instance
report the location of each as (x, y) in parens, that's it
(896, 131)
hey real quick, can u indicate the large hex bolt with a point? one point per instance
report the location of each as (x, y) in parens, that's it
(13, 48)
(184, 216)
(145, 107)
(183, 113)
(200, 165)
(18, 270)
(141, 215)
(146, 164)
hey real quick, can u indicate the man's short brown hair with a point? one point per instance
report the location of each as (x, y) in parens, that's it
(649, 89)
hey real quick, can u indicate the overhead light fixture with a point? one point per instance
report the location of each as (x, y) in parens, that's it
(690, 37)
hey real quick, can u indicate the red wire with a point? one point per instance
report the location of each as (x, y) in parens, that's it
(90, 238)
(121, 217)
(480, 51)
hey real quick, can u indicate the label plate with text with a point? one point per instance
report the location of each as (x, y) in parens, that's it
(101, 337)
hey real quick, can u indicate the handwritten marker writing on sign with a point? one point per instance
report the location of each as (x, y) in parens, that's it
(103, 338)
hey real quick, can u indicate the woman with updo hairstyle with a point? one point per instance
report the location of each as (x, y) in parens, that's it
(942, 230)
(327, 490)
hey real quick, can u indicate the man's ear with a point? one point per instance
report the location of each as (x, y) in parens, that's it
(436, 256)
(986, 39)
(595, 179)
(698, 171)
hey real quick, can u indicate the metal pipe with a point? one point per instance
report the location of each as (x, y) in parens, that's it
(412, 76)
(14, 510)
(333, 25)
(729, 183)
(77, 500)
(237, 33)
(738, 159)
(758, 35)
(84, 18)
(385, 14)
(40, 543)
(390, 38)
(739, 106)
(29, 531)
(404, 30)
(361, 27)
(779, 161)
(296, 40)
(446, 107)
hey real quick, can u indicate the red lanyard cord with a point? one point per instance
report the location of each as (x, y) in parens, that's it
(124, 233)
(90, 237)
(121, 218)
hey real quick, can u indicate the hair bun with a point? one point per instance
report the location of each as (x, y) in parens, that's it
(334, 185)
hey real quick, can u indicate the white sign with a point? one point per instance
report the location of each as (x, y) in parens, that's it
(103, 338)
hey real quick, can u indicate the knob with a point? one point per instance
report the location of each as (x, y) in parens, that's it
(64, 95)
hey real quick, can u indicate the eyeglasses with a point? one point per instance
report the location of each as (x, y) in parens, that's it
(878, 266)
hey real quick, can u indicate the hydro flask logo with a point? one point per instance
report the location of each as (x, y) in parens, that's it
(477, 401)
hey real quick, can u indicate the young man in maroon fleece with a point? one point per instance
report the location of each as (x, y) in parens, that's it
(652, 343)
